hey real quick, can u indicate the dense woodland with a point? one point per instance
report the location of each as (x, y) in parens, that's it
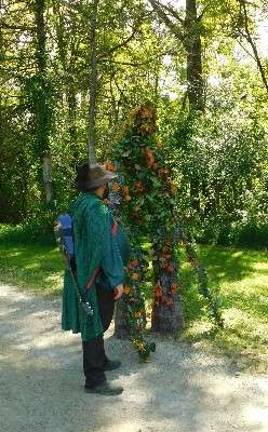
(73, 70)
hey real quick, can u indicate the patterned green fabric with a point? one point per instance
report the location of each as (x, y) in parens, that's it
(95, 245)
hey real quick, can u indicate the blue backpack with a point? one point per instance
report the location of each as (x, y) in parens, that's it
(64, 236)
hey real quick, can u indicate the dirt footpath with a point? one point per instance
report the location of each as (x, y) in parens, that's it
(181, 390)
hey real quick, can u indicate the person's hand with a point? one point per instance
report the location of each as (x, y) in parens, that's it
(119, 290)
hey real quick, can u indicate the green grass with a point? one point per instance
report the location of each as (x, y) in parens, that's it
(239, 276)
(35, 268)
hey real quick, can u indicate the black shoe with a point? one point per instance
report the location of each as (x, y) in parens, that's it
(112, 365)
(105, 389)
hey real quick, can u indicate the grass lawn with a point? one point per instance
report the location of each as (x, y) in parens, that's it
(240, 277)
(35, 268)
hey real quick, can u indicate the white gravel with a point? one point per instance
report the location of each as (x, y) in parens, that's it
(181, 390)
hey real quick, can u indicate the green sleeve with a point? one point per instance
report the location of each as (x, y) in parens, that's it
(105, 245)
(123, 244)
(112, 264)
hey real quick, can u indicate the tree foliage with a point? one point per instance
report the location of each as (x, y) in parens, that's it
(182, 56)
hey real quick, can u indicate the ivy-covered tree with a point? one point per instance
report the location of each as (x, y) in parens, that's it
(148, 209)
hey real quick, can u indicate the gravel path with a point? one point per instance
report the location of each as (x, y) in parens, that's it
(181, 390)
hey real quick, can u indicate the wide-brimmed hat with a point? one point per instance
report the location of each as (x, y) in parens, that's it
(92, 176)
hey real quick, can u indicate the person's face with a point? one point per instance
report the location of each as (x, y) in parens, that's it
(103, 191)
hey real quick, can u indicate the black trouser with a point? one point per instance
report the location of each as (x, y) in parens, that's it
(94, 357)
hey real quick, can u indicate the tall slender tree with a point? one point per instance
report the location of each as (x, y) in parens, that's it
(93, 84)
(245, 32)
(42, 103)
(66, 27)
(187, 30)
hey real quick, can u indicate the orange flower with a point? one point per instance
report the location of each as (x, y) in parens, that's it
(149, 156)
(163, 171)
(127, 289)
(147, 129)
(135, 276)
(109, 166)
(125, 193)
(146, 112)
(170, 268)
(173, 287)
(132, 264)
(116, 187)
(125, 190)
(158, 291)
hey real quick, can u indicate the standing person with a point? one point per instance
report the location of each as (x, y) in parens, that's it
(100, 265)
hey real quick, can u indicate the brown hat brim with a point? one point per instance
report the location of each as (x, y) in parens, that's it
(100, 181)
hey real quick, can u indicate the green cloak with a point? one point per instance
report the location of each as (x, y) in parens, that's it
(96, 245)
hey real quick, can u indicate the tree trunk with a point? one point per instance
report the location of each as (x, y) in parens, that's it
(167, 313)
(194, 57)
(42, 108)
(244, 13)
(69, 84)
(72, 112)
(47, 178)
(195, 89)
(122, 327)
(93, 86)
(1, 102)
(188, 32)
